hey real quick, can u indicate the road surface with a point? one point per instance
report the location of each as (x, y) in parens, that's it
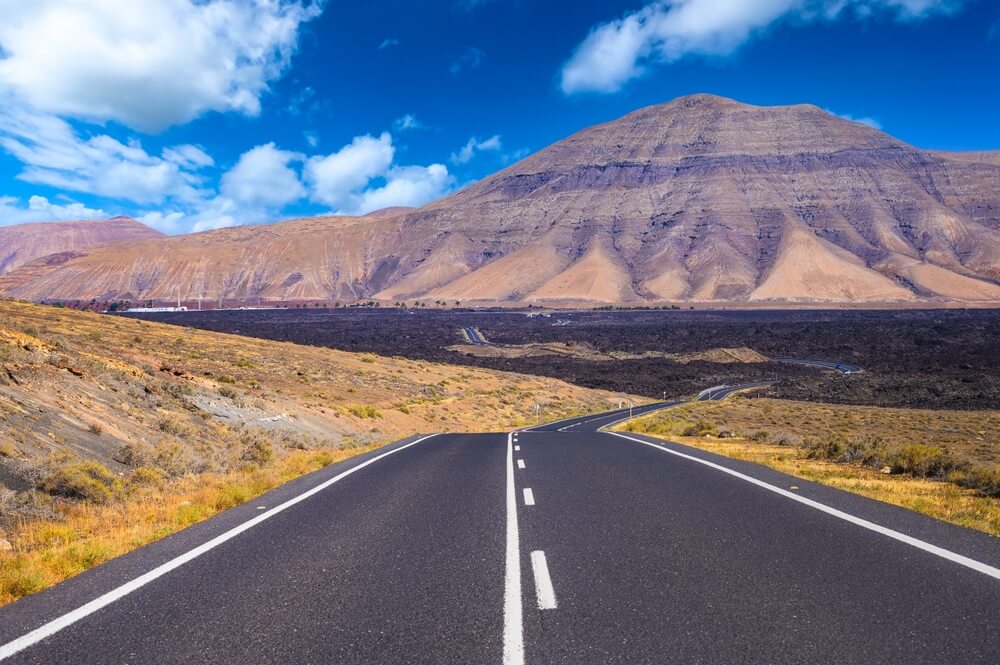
(475, 337)
(556, 544)
(843, 368)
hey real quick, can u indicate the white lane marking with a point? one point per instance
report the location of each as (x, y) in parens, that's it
(513, 628)
(529, 497)
(543, 583)
(516, 448)
(68, 619)
(847, 517)
(520, 463)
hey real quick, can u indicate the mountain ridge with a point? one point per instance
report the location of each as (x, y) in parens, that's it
(23, 243)
(701, 199)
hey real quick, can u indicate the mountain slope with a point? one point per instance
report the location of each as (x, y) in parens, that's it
(700, 199)
(22, 243)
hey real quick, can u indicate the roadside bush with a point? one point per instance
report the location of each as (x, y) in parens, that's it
(364, 411)
(146, 476)
(984, 479)
(257, 450)
(924, 461)
(132, 454)
(96, 429)
(173, 459)
(700, 428)
(89, 481)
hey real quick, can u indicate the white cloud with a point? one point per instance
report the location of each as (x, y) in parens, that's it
(337, 177)
(388, 42)
(165, 222)
(406, 186)
(621, 50)
(40, 209)
(148, 64)
(188, 156)
(262, 177)
(362, 176)
(407, 122)
(864, 120)
(54, 154)
(474, 145)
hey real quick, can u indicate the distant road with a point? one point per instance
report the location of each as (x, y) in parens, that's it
(553, 544)
(475, 337)
(843, 368)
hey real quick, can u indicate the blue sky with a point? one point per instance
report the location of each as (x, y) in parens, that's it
(196, 115)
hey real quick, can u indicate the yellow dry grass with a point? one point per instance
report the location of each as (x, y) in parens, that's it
(960, 432)
(45, 552)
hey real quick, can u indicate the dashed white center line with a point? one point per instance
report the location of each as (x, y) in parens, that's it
(517, 448)
(520, 463)
(543, 583)
(513, 630)
(529, 497)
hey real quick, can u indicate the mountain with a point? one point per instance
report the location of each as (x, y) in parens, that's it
(702, 199)
(22, 243)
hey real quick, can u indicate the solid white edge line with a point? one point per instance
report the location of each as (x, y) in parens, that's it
(847, 517)
(520, 463)
(543, 582)
(68, 619)
(529, 497)
(513, 627)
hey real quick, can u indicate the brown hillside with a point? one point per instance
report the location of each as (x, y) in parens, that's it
(22, 243)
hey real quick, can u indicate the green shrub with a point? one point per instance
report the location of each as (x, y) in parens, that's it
(364, 411)
(924, 461)
(257, 450)
(984, 479)
(89, 481)
(132, 454)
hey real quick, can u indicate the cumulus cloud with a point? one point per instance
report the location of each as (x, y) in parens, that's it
(54, 154)
(263, 177)
(617, 52)
(474, 145)
(147, 64)
(188, 156)
(406, 186)
(362, 176)
(335, 178)
(40, 209)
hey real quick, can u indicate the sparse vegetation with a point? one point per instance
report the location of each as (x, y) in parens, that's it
(945, 464)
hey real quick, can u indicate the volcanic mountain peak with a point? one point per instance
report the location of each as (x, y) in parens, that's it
(700, 199)
(22, 243)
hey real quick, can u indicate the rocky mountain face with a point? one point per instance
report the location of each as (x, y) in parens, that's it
(23, 243)
(702, 199)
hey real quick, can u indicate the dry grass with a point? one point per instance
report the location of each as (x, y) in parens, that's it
(794, 437)
(46, 552)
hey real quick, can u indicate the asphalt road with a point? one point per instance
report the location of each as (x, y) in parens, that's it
(474, 336)
(541, 546)
(843, 368)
